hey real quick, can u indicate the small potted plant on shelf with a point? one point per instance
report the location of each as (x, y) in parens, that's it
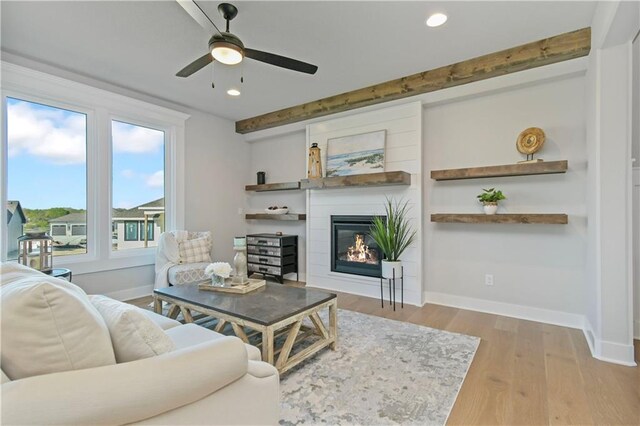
(489, 198)
(393, 236)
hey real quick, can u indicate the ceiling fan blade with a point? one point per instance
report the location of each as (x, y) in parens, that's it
(196, 12)
(195, 66)
(280, 61)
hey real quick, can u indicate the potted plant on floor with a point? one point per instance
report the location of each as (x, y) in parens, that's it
(489, 198)
(393, 236)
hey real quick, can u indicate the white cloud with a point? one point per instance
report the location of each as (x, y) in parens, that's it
(128, 173)
(132, 139)
(54, 135)
(155, 180)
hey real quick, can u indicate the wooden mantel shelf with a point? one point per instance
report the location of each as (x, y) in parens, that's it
(519, 169)
(265, 216)
(538, 218)
(282, 186)
(369, 179)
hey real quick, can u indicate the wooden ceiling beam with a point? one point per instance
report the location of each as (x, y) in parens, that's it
(550, 50)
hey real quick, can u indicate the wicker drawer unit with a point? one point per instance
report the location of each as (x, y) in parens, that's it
(274, 255)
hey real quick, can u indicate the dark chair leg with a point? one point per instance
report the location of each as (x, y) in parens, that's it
(381, 293)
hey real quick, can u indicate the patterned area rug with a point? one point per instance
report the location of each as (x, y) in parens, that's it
(384, 372)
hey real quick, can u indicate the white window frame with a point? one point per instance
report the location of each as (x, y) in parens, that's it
(101, 106)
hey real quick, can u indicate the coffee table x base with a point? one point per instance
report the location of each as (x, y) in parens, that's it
(292, 327)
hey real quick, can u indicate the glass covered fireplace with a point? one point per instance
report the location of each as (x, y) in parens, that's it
(353, 251)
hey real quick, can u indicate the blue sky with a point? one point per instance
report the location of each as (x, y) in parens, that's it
(47, 158)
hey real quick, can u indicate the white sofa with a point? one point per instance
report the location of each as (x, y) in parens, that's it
(205, 378)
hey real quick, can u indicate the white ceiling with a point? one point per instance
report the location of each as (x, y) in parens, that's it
(141, 45)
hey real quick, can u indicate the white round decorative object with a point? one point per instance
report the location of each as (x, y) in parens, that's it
(490, 208)
(389, 267)
(276, 211)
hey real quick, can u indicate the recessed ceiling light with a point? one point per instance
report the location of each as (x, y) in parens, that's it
(233, 92)
(436, 19)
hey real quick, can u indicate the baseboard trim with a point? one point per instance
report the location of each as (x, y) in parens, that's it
(608, 351)
(131, 293)
(506, 309)
(373, 292)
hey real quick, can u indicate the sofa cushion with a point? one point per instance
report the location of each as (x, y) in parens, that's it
(133, 335)
(187, 273)
(192, 334)
(48, 325)
(161, 321)
(195, 250)
(13, 271)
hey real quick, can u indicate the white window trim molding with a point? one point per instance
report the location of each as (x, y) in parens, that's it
(100, 106)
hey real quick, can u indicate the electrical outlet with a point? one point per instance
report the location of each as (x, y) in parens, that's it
(488, 279)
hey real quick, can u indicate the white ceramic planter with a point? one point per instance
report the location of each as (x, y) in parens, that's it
(490, 208)
(389, 267)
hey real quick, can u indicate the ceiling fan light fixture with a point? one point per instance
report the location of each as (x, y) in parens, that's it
(436, 20)
(226, 53)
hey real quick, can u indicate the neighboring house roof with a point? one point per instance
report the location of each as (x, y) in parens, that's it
(14, 207)
(70, 218)
(159, 203)
(137, 212)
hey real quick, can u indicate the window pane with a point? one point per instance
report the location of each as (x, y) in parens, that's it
(46, 174)
(138, 185)
(131, 231)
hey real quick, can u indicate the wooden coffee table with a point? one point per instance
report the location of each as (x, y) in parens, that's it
(271, 311)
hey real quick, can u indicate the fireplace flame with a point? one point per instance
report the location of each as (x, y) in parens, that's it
(360, 252)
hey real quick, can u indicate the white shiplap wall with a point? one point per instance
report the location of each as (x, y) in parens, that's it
(403, 151)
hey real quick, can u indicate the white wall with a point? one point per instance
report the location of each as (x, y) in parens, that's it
(283, 159)
(609, 314)
(636, 182)
(402, 152)
(540, 268)
(215, 172)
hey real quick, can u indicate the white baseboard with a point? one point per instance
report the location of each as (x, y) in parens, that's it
(506, 309)
(605, 351)
(410, 297)
(608, 351)
(131, 293)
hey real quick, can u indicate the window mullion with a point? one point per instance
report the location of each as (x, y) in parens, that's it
(101, 197)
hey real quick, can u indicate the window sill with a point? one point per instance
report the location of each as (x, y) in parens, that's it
(117, 260)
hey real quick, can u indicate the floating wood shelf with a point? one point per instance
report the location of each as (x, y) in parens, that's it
(521, 169)
(265, 216)
(369, 179)
(282, 186)
(538, 218)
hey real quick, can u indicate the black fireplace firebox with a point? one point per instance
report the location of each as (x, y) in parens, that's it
(353, 251)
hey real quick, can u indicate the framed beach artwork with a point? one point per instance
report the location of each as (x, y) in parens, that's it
(356, 154)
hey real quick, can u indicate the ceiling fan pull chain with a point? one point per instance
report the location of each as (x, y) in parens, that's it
(213, 86)
(242, 73)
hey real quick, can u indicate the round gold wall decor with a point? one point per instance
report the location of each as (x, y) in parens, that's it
(530, 140)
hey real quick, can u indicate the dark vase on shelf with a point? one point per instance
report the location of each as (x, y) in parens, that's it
(261, 178)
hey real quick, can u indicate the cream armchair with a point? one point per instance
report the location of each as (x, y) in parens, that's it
(206, 378)
(173, 265)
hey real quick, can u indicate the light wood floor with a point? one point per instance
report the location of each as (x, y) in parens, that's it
(524, 372)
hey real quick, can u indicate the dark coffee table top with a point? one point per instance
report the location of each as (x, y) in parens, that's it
(265, 306)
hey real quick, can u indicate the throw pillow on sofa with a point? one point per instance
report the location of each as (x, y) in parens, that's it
(48, 327)
(196, 250)
(133, 335)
